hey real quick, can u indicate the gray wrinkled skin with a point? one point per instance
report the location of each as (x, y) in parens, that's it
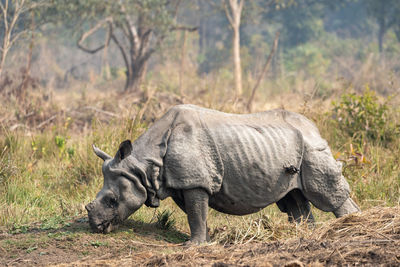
(236, 164)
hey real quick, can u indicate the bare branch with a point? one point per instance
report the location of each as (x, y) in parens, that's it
(16, 36)
(43, 123)
(2, 7)
(14, 19)
(176, 9)
(5, 10)
(111, 114)
(265, 69)
(228, 15)
(133, 32)
(121, 48)
(125, 31)
(34, 5)
(144, 44)
(90, 32)
(148, 54)
(184, 28)
(241, 6)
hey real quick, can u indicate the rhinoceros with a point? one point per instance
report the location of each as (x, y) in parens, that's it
(234, 163)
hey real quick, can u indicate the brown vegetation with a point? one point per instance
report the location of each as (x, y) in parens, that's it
(369, 238)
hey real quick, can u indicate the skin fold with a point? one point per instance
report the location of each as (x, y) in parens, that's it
(234, 163)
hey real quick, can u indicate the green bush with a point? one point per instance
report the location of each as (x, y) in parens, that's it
(363, 118)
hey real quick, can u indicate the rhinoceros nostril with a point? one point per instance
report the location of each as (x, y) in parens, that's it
(89, 206)
(102, 227)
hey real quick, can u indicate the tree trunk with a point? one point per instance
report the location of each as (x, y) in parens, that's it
(381, 34)
(382, 25)
(135, 76)
(2, 61)
(233, 14)
(5, 47)
(236, 61)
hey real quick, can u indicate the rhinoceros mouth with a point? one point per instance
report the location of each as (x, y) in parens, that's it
(104, 227)
(108, 227)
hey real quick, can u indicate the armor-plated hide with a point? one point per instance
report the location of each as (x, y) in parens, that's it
(241, 161)
(237, 164)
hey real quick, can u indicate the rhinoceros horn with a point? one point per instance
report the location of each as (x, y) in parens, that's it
(101, 154)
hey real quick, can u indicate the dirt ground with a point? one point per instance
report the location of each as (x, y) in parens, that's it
(370, 238)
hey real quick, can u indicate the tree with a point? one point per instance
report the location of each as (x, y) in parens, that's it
(11, 14)
(233, 11)
(387, 15)
(137, 28)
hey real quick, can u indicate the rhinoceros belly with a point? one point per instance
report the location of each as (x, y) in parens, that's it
(254, 160)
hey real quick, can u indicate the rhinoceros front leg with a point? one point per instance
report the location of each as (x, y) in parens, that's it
(196, 208)
(349, 206)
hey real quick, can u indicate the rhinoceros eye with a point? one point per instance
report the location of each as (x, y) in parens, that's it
(111, 201)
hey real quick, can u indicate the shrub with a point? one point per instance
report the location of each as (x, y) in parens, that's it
(363, 118)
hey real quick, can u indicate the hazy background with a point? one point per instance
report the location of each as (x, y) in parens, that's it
(321, 42)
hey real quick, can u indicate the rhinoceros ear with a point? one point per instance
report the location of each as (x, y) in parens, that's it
(125, 149)
(101, 154)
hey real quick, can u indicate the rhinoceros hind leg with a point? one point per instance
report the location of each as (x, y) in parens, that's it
(296, 206)
(349, 206)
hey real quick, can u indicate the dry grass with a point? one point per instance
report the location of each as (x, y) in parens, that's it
(378, 224)
(370, 238)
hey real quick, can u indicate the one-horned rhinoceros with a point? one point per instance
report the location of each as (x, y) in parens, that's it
(236, 164)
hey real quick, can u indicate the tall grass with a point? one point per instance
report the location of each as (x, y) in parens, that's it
(52, 173)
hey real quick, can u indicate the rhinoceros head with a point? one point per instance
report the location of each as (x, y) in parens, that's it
(122, 192)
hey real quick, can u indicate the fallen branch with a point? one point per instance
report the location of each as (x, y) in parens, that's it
(46, 121)
(371, 241)
(265, 69)
(102, 111)
(155, 245)
(15, 126)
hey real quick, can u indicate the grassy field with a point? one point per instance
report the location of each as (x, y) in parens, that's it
(48, 171)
